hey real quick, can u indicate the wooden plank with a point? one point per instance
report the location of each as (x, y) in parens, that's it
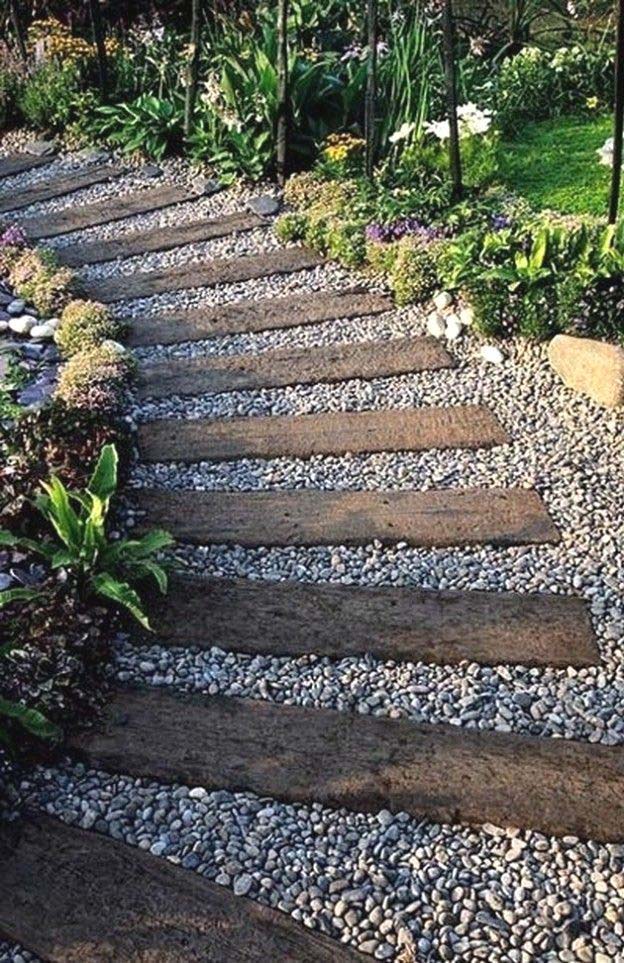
(365, 763)
(145, 284)
(399, 624)
(103, 212)
(264, 315)
(439, 518)
(58, 185)
(159, 238)
(73, 896)
(302, 436)
(289, 366)
(19, 163)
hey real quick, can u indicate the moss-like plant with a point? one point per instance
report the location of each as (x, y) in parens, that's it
(290, 227)
(85, 324)
(37, 278)
(414, 276)
(96, 379)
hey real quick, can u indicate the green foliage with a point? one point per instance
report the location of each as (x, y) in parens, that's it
(85, 324)
(81, 545)
(37, 278)
(290, 227)
(50, 98)
(346, 242)
(150, 125)
(95, 379)
(10, 85)
(28, 719)
(413, 275)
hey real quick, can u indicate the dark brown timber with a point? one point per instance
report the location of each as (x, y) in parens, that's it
(144, 284)
(302, 436)
(58, 185)
(401, 624)
(365, 763)
(158, 239)
(263, 315)
(442, 517)
(72, 896)
(289, 366)
(18, 163)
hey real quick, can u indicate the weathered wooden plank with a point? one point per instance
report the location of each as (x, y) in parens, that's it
(72, 896)
(159, 238)
(144, 284)
(103, 212)
(302, 436)
(19, 163)
(58, 185)
(289, 366)
(365, 763)
(264, 315)
(443, 517)
(400, 624)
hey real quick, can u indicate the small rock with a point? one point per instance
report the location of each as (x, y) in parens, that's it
(205, 185)
(466, 316)
(16, 307)
(242, 884)
(489, 352)
(5, 581)
(22, 325)
(443, 300)
(453, 328)
(151, 170)
(4, 326)
(41, 148)
(41, 331)
(594, 368)
(92, 155)
(436, 325)
(264, 205)
(198, 793)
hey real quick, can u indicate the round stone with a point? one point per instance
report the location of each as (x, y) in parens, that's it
(436, 325)
(492, 354)
(443, 300)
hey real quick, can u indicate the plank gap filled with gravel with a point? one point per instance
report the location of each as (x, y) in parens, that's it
(364, 763)
(145, 284)
(20, 163)
(159, 239)
(103, 212)
(72, 896)
(56, 186)
(290, 366)
(303, 436)
(437, 518)
(198, 324)
(400, 624)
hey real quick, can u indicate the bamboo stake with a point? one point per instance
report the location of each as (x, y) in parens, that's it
(192, 73)
(370, 103)
(98, 37)
(618, 119)
(448, 35)
(282, 91)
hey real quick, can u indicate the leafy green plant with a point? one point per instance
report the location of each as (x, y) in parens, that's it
(49, 99)
(81, 545)
(149, 124)
(96, 379)
(85, 324)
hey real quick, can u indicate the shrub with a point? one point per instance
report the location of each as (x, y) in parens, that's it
(151, 125)
(381, 256)
(290, 227)
(28, 263)
(48, 290)
(301, 189)
(50, 98)
(414, 275)
(85, 324)
(96, 379)
(10, 84)
(346, 242)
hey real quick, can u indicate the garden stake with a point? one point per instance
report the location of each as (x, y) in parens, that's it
(98, 37)
(370, 104)
(192, 70)
(618, 119)
(448, 35)
(282, 90)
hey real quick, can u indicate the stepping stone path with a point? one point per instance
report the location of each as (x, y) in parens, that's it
(71, 895)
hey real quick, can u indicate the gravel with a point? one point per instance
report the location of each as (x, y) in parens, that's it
(14, 953)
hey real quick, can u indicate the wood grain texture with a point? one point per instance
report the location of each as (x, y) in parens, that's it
(402, 624)
(158, 239)
(144, 284)
(365, 763)
(58, 185)
(290, 366)
(103, 212)
(19, 163)
(196, 324)
(302, 436)
(438, 518)
(72, 896)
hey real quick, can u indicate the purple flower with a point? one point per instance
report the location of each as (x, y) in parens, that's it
(500, 222)
(13, 237)
(405, 227)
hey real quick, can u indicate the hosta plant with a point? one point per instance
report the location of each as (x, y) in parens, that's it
(80, 543)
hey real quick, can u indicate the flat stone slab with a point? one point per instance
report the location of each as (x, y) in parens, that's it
(158, 239)
(400, 624)
(103, 212)
(73, 896)
(365, 763)
(19, 163)
(58, 185)
(595, 368)
(302, 436)
(291, 366)
(145, 284)
(263, 315)
(439, 518)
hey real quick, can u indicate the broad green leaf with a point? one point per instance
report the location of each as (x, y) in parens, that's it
(16, 595)
(30, 719)
(121, 593)
(7, 538)
(103, 481)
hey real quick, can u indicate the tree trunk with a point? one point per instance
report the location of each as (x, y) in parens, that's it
(192, 70)
(17, 30)
(370, 105)
(448, 32)
(98, 37)
(618, 121)
(282, 91)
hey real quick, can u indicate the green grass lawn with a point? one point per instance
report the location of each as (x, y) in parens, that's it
(554, 164)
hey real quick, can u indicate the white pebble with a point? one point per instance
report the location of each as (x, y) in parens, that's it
(443, 300)
(489, 352)
(436, 325)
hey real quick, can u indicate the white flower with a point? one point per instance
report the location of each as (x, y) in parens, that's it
(439, 128)
(403, 133)
(605, 153)
(472, 120)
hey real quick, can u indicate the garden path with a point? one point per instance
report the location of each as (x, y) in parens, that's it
(294, 753)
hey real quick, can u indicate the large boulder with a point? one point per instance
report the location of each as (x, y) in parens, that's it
(594, 368)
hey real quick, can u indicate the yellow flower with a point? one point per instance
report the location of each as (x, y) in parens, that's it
(591, 103)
